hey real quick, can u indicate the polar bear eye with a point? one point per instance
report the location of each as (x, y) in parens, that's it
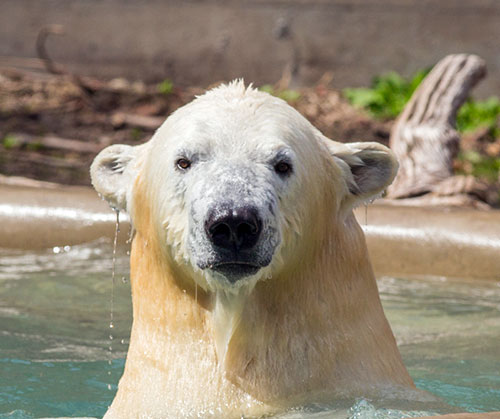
(283, 168)
(183, 164)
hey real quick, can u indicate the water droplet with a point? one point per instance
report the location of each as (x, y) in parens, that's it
(67, 248)
(122, 341)
(124, 280)
(111, 325)
(130, 234)
(109, 386)
(110, 337)
(56, 250)
(128, 252)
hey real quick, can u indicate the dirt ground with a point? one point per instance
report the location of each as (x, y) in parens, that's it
(52, 126)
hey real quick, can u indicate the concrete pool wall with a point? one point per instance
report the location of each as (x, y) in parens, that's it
(402, 240)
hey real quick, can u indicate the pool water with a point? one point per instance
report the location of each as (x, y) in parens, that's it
(57, 358)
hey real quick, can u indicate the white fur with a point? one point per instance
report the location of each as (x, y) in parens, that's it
(233, 136)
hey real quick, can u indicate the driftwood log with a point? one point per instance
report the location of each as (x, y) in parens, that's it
(424, 137)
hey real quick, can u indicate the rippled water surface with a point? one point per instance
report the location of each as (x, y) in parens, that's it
(55, 357)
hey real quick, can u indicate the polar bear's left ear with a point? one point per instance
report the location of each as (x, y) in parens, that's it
(368, 168)
(113, 173)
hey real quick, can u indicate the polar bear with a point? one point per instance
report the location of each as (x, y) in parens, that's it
(251, 284)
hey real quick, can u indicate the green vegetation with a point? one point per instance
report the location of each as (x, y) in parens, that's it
(34, 146)
(389, 93)
(479, 165)
(10, 141)
(387, 96)
(473, 115)
(289, 95)
(136, 134)
(166, 87)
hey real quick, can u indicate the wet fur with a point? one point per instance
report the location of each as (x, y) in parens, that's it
(315, 332)
(309, 328)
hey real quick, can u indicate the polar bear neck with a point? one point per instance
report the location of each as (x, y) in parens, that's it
(317, 331)
(325, 322)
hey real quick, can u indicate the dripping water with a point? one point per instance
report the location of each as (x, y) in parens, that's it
(130, 235)
(129, 242)
(112, 299)
(366, 213)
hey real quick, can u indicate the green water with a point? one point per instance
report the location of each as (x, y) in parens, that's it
(54, 331)
(55, 357)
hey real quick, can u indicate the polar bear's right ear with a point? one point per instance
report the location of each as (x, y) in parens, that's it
(113, 173)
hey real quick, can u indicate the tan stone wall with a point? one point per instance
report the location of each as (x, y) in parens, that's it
(200, 42)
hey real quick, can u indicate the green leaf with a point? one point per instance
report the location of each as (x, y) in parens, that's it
(288, 95)
(166, 87)
(473, 115)
(267, 88)
(485, 167)
(10, 141)
(387, 96)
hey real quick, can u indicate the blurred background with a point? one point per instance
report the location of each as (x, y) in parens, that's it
(78, 75)
(203, 42)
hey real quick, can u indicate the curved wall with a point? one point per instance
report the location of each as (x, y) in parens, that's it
(202, 42)
(402, 241)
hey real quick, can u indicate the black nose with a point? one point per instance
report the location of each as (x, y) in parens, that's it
(233, 228)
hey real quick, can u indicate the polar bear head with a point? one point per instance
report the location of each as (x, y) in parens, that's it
(238, 185)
